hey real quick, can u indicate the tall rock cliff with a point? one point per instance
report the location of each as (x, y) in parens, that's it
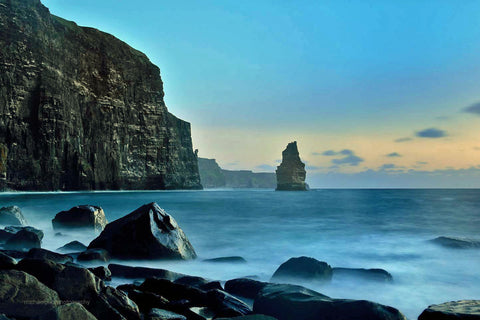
(291, 172)
(80, 109)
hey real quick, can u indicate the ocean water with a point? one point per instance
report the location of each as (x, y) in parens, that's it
(386, 229)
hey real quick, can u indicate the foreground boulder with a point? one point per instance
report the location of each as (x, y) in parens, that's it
(160, 314)
(37, 253)
(456, 243)
(244, 287)
(24, 238)
(128, 272)
(6, 262)
(286, 302)
(73, 246)
(23, 296)
(454, 310)
(303, 268)
(146, 233)
(12, 216)
(84, 216)
(69, 311)
(94, 255)
(291, 172)
(378, 275)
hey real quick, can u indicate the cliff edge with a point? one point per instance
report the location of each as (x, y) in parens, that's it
(82, 110)
(291, 172)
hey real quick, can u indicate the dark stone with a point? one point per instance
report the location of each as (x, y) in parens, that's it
(120, 302)
(233, 259)
(77, 284)
(174, 291)
(160, 314)
(44, 270)
(16, 229)
(244, 287)
(24, 239)
(453, 310)
(102, 272)
(192, 281)
(80, 109)
(5, 235)
(456, 243)
(14, 253)
(69, 311)
(147, 300)
(250, 317)
(4, 317)
(212, 285)
(73, 247)
(12, 216)
(291, 172)
(85, 216)
(37, 253)
(146, 233)
(303, 268)
(6, 262)
(226, 305)
(128, 272)
(17, 292)
(94, 255)
(286, 302)
(379, 275)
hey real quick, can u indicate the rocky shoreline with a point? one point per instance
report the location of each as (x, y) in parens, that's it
(75, 281)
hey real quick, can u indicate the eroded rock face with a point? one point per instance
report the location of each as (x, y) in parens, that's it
(291, 172)
(80, 109)
(12, 216)
(85, 216)
(146, 233)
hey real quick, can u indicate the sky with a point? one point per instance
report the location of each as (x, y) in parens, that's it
(376, 93)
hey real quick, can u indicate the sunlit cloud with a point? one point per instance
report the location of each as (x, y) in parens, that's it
(394, 155)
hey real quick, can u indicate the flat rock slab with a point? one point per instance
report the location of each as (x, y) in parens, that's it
(453, 310)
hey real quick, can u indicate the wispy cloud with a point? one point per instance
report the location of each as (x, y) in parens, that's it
(403, 139)
(329, 153)
(316, 153)
(422, 162)
(351, 160)
(393, 155)
(432, 133)
(474, 108)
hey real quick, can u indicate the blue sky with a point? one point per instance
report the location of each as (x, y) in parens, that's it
(252, 76)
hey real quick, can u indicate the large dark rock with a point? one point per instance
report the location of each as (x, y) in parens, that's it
(379, 275)
(5, 235)
(12, 216)
(80, 109)
(147, 300)
(94, 255)
(226, 305)
(24, 239)
(23, 296)
(244, 287)
(453, 310)
(85, 216)
(73, 246)
(146, 233)
(303, 268)
(101, 272)
(291, 172)
(45, 271)
(77, 284)
(199, 282)
(37, 253)
(160, 314)
(174, 291)
(68, 311)
(232, 259)
(456, 243)
(129, 272)
(120, 302)
(6, 262)
(15, 229)
(287, 302)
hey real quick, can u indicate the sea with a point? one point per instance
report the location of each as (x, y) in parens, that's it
(359, 228)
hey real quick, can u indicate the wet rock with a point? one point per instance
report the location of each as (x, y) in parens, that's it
(12, 216)
(14, 253)
(23, 296)
(456, 243)
(244, 287)
(233, 259)
(291, 172)
(160, 314)
(453, 310)
(38, 253)
(226, 305)
(129, 272)
(286, 302)
(77, 284)
(147, 300)
(6, 262)
(69, 311)
(379, 275)
(73, 246)
(174, 291)
(15, 229)
(120, 302)
(24, 239)
(5, 235)
(102, 272)
(94, 255)
(303, 268)
(199, 282)
(44, 270)
(146, 233)
(84, 217)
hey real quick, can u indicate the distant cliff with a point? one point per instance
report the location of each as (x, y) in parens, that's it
(80, 109)
(212, 176)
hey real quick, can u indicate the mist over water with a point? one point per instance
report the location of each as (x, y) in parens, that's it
(385, 229)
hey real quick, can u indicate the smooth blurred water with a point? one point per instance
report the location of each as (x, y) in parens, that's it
(358, 228)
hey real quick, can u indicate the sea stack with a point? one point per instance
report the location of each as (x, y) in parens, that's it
(291, 172)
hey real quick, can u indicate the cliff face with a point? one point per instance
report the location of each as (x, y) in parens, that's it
(291, 172)
(212, 176)
(80, 109)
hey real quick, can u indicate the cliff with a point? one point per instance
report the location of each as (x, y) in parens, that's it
(80, 110)
(291, 172)
(212, 176)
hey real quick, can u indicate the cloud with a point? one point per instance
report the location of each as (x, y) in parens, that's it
(422, 163)
(329, 153)
(393, 155)
(316, 154)
(431, 133)
(474, 108)
(265, 167)
(344, 152)
(388, 166)
(312, 168)
(351, 160)
(403, 139)
(347, 152)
